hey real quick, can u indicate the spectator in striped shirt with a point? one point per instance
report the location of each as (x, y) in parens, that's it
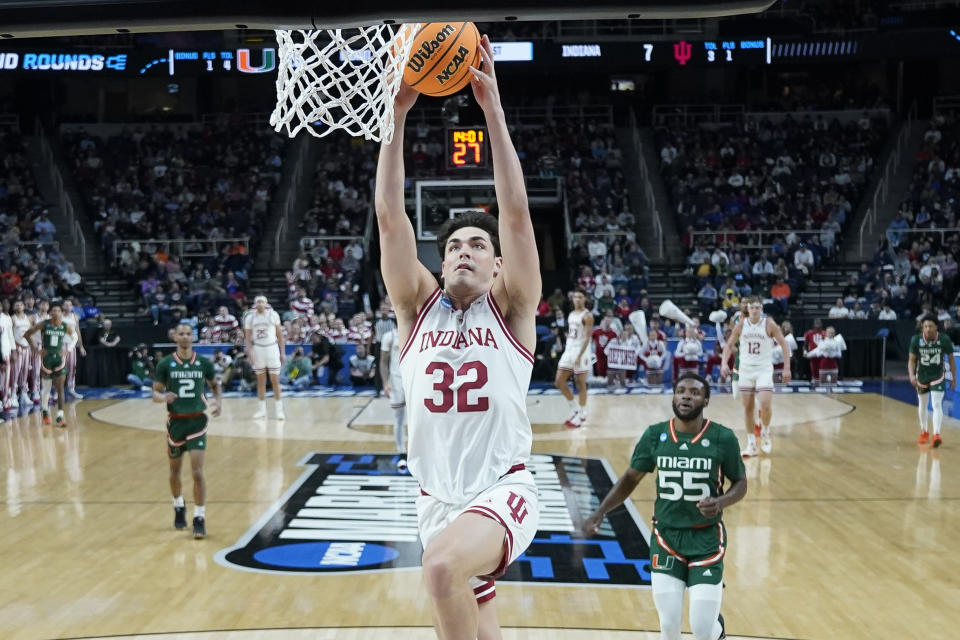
(226, 324)
(302, 306)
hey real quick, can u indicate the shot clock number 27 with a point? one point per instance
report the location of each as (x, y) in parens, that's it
(466, 147)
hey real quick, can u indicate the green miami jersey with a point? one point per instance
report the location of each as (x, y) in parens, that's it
(186, 378)
(53, 336)
(690, 467)
(931, 357)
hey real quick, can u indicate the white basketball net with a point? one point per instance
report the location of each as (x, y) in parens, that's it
(346, 79)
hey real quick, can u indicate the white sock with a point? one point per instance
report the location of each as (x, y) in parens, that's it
(574, 405)
(59, 413)
(583, 411)
(668, 600)
(705, 600)
(45, 394)
(399, 415)
(937, 397)
(199, 511)
(178, 501)
(751, 438)
(263, 405)
(922, 410)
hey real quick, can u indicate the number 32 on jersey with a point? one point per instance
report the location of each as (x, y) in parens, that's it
(452, 390)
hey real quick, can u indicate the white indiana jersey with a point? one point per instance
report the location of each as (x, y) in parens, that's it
(70, 340)
(755, 344)
(465, 379)
(262, 326)
(20, 327)
(576, 333)
(776, 353)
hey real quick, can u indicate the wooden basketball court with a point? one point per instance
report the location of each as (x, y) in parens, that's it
(846, 530)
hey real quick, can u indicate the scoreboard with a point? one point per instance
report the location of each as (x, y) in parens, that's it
(467, 147)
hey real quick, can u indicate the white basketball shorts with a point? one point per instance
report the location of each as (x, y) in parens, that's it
(755, 378)
(396, 392)
(266, 358)
(512, 501)
(569, 361)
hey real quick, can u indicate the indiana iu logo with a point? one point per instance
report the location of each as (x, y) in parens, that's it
(682, 51)
(353, 512)
(518, 507)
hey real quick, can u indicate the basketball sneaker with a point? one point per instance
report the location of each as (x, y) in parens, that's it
(199, 528)
(260, 413)
(574, 421)
(766, 442)
(751, 450)
(46, 417)
(179, 517)
(937, 441)
(281, 415)
(61, 422)
(402, 464)
(924, 438)
(71, 392)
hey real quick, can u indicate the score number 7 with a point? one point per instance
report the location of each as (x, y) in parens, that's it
(460, 152)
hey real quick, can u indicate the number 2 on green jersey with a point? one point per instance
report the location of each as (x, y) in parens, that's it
(187, 388)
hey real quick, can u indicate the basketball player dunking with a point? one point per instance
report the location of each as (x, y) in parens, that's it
(755, 334)
(465, 366)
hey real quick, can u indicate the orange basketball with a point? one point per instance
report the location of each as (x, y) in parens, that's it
(440, 57)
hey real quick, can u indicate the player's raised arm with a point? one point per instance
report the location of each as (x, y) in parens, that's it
(520, 276)
(408, 282)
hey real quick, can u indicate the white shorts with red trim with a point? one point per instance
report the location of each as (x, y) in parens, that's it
(397, 399)
(569, 361)
(513, 502)
(266, 358)
(755, 378)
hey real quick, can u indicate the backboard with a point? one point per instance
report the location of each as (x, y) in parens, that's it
(36, 18)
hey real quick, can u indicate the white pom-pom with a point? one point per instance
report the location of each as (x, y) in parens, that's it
(653, 362)
(718, 316)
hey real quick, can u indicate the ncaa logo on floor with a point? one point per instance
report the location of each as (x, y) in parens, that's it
(353, 512)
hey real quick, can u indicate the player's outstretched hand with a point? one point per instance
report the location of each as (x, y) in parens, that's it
(169, 397)
(484, 82)
(591, 526)
(710, 507)
(405, 99)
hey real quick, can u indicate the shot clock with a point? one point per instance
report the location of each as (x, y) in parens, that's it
(467, 148)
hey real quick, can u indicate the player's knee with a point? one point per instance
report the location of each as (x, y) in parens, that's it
(197, 475)
(440, 573)
(702, 628)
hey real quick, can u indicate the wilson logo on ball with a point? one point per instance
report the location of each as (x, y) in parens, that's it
(419, 57)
